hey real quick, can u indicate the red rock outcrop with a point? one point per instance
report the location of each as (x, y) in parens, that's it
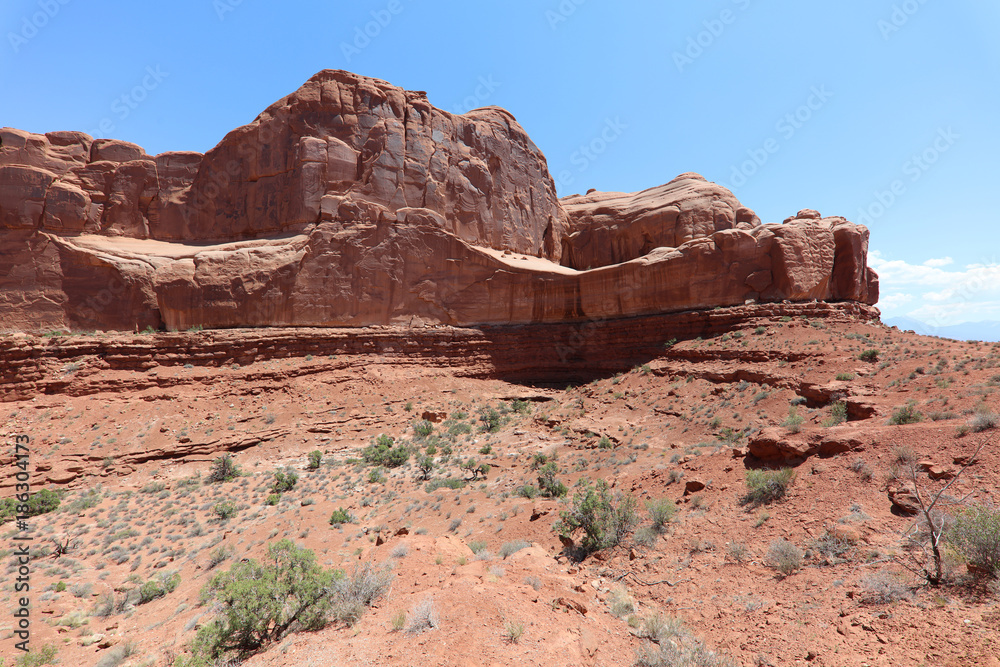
(352, 202)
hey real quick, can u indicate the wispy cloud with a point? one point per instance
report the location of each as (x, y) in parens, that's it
(937, 295)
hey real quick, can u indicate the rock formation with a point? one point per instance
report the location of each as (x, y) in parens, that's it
(352, 202)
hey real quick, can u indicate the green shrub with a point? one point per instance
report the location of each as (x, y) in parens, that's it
(218, 555)
(272, 499)
(509, 548)
(315, 459)
(225, 510)
(43, 656)
(43, 502)
(766, 486)
(605, 518)
(284, 480)
(520, 407)
(448, 482)
(261, 602)
(975, 536)
(423, 428)
(528, 491)
(794, 422)
(425, 464)
(474, 468)
(491, 420)
(784, 556)
(845, 377)
(548, 485)
(605, 443)
(870, 356)
(223, 469)
(340, 516)
(906, 414)
(384, 452)
(661, 512)
(838, 414)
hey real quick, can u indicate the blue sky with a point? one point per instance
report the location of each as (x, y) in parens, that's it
(883, 111)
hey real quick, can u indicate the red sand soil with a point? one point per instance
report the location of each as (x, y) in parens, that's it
(141, 452)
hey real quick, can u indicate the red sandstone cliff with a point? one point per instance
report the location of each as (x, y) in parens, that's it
(353, 202)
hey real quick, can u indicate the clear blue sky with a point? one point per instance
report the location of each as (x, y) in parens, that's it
(697, 86)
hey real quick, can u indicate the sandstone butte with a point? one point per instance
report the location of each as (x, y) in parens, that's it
(352, 202)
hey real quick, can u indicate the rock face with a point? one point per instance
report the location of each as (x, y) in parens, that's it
(352, 202)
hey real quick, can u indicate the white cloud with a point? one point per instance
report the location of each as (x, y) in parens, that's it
(935, 295)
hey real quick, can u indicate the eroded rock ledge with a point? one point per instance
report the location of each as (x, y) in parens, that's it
(352, 202)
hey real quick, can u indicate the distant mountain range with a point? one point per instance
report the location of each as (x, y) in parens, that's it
(984, 331)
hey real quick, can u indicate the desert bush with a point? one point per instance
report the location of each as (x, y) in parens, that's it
(272, 499)
(509, 548)
(621, 603)
(883, 587)
(472, 467)
(784, 556)
(340, 516)
(223, 469)
(118, 654)
(983, 420)
(284, 480)
(845, 377)
(384, 452)
(225, 510)
(906, 414)
(548, 485)
(423, 428)
(425, 464)
(315, 459)
(423, 616)
(975, 536)
(646, 537)
(512, 631)
(46, 655)
(738, 551)
(448, 483)
(605, 518)
(677, 647)
(262, 602)
(520, 407)
(527, 491)
(793, 424)
(490, 420)
(661, 512)
(766, 486)
(218, 555)
(838, 414)
(870, 356)
(43, 502)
